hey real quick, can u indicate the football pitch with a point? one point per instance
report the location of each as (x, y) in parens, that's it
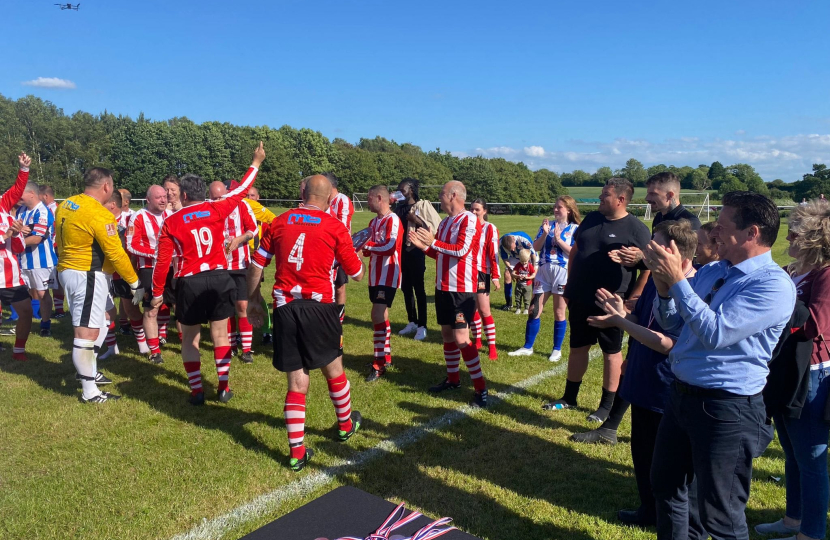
(153, 466)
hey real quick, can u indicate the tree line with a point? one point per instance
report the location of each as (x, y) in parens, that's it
(142, 151)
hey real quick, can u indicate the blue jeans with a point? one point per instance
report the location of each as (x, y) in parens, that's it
(710, 436)
(804, 441)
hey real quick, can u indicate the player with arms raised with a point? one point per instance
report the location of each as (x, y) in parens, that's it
(307, 328)
(205, 292)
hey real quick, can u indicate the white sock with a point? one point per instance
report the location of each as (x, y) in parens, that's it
(83, 357)
(99, 343)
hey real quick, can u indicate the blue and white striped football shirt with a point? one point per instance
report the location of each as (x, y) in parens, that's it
(552, 253)
(42, 222)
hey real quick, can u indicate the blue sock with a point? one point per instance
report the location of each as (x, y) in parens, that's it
(531, 330)
(36, 309)
(508, 293)
(559, 328)
(46, 324)
(13, 316)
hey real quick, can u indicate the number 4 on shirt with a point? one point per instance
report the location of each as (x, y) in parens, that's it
(296, 255)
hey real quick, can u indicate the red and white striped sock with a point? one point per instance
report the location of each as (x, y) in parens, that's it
(341, 398)
(476, 329)
(153, 343)
(247, 333)
(379, 338)
(452, 357)
(110, 341)
(470, 354)
(138, 332)
(194, 376)
(490, 332)
(387, 347)
(19, 350)
(163, 320)
(294, 413)
(232, 331)
(222, 357)
(58, 301)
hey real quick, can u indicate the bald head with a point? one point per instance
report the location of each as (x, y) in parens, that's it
(452, 197)
(317, 191)
(217, 189)
(156, 199)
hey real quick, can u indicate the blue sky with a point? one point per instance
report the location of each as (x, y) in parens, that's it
(555, 84)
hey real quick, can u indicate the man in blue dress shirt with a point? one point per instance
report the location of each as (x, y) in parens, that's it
(728, 320)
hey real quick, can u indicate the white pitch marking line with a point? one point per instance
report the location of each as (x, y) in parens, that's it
(217, 527)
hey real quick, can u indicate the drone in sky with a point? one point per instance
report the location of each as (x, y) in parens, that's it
(68, 6)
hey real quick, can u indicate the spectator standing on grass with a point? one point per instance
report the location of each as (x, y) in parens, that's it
(647, 378)
(414, 214)
(523, 274)
(456, 276)
(509, 247)
(798, 407)
(553, 242)
(47, 195)
(729, 321)
(591, 267)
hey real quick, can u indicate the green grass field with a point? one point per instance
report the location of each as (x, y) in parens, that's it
(152, 466)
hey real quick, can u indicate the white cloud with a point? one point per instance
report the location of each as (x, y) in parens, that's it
(740, 132)
(534, 151)
(773, 157)
(50, 82)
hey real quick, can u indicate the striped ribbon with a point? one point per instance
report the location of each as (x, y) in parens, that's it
(397, 520)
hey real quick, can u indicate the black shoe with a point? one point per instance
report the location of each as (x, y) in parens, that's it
(247, 357)
(445, 385)
(58, 315)
(480, 399)
(298, 464)
(633, 517)
(375, 374)
(103, 397)
(156, 359)
(45, 332)
(357, 419)
(234, 352)
(267, 339)
(197, 399)
(507, 307)
(100, 378)
(596, 436)
(162, 342)
(225, 395)
(126, 330)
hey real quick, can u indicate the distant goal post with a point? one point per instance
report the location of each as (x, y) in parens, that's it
(696, 201)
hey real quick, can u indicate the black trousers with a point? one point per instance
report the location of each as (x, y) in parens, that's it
(644, 424)
(413, 268)
(710, 437)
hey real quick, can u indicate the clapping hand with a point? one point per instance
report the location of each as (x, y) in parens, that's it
(612, 305)
(546, 226)
(666, 264)
(421, 238)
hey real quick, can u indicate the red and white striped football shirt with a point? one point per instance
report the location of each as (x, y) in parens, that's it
(9, 265)
(196, 234)
(305, 242)
(240, 221)
(488, 248)
(384, 249)
(455, 248)
(342, 209)
(142, 237)
(124, 219)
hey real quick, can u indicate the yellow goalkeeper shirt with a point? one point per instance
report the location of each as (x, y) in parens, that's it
(262, 216)
(88, 241)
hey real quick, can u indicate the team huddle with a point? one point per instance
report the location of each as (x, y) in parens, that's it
(204, 261)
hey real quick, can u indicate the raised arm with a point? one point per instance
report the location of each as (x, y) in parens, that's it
(227, 203)
(10, 197)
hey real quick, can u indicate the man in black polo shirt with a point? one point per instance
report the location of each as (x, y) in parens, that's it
(590, 268)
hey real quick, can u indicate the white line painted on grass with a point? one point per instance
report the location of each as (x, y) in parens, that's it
(219, 526)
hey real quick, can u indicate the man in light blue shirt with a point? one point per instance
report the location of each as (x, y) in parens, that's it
(729, 318)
